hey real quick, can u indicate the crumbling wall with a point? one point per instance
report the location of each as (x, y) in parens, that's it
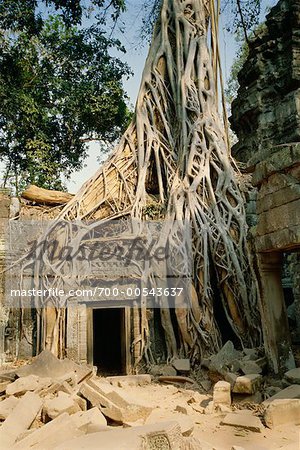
(266, 119)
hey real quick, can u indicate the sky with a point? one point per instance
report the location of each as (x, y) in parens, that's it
(135, 56)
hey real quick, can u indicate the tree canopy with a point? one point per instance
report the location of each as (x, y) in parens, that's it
(58, 84)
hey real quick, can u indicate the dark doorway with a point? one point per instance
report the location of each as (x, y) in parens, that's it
(109, 341)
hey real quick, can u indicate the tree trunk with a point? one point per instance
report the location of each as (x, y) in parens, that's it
(175, 153)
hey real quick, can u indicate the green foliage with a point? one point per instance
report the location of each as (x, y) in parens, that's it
(58, 85)
(242, 16)
(232, 84)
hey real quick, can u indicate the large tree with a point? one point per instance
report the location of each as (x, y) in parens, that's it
(59, 84)
(173, 160)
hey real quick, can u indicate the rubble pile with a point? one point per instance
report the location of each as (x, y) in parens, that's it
(58, 404)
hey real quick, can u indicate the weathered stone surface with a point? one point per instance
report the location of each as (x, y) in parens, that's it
(3, 386)
(159, 436)
(7, 406)
(247, 398)
(185, 422)
(20, 419)
(247, 384)
(222, 393)
(55, 432)
(224, 357)
(282, 411)
(63, 403)
(114, 402)
(182, 365)
(47, 365)
(130, 380)
(243, 420)
(230, 378)
(293, 376)
(90, 421)
(250, 367)
(290, 392)
(29, 383)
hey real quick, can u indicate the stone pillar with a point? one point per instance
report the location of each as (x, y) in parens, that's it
(296, 290)
(274, 316)
(4, 216)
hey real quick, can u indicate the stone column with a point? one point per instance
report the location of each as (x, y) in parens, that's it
(4, 216)
(274, 317)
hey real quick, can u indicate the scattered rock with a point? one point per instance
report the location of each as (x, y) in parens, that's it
(271, 390)
(20, 419)
(293, 376)
(182, 365)
(3, 386)
(47, 365)
(55, 432)
(182, 409)
(222, 394)
(209, 408)
(90, 421)
(7, 406)
(282, 411)
(245, 398)
(130, 380)
(168, 371)
(63, 403)
(159, 435)
(28, 383)
(247, 384)
(290, 392)
(252, 352)
(241, 420)
(250, 367)
(206, 384)
(114, 403)
(159, 416)
(230, 378)
(224, 357)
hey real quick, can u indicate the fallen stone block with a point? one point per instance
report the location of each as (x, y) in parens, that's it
(206, 384)
(250, 367)
(81, 402)
(222, 393)
(191, 443)
(252, 352)
(7, 406)
(247, 384)
(293, 376)
(282, 411)
(29, 383)
(130, 380)
(182, 365)
(90, 421)
(3, 386)
(19, 419)
(185, 422)
(55, 432)
(47, 365)
(290, 392)
(247, 398)
(113, 402)
(230, 377)
(159, 436)
(243, 420)
(63, 403)
(224, 357)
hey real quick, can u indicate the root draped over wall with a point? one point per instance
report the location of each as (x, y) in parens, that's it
(174, 155)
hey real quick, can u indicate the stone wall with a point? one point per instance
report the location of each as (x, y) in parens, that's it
(266, 119)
